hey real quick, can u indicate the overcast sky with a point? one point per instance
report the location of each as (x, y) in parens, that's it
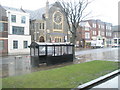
(106, 10)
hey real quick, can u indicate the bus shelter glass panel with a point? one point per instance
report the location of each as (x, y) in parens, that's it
(42, 50)
(32, 51)
(50, 50)
(36, 51)
(64, 50)
(69, 49)
(57, 50)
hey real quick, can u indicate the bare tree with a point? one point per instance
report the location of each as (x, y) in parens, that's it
(74, 14)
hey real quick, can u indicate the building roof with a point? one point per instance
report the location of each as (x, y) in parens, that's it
(13, 9)
(85, 24)
(38, 14)
(99, 22)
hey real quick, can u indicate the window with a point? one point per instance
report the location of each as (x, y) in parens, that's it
(87, 35)
(23, 19)
(87, 28)
(99, 26)
(1, 27)
(110, 34)
(17, 30)
(108, 27)
(13, 18)
(94, 25)
(25, 44)
(106, 33)
(43, 26)
(102, 26)
(1, 44)
(40, 25)
(99, 32)
(94, 32)
(103, 33)
(58, 39)
(15, 44)
(58, 26)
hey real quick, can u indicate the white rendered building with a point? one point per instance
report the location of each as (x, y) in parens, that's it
(19, 37)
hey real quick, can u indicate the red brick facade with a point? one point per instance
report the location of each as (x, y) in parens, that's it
(97, 30)
(3, 32)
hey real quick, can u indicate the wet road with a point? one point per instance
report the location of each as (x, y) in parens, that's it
(109, 54)
(17, 65)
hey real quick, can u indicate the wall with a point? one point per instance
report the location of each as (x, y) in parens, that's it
(18, 21)
(4, 33)
(20, 39)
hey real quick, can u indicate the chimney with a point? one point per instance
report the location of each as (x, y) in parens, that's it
(47, 9)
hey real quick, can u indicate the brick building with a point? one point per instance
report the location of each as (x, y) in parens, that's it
(94, 30)
(3, 31)
(83, 34)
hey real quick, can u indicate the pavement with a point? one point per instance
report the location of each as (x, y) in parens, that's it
(109, 81)
(112, 83)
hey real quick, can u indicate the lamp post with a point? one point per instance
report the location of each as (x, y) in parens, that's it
(35, 32)
(47, 33)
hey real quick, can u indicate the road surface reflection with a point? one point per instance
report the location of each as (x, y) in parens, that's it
(18, 65)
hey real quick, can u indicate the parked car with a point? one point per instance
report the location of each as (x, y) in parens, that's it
(116, 42)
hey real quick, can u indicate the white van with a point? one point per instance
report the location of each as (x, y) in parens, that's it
(97, 44)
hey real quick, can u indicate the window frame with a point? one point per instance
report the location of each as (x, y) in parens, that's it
(15, 44)
(1, 27)
(13, 18)
(17, 30)
(87, 35)
(87, 29)
(23, 19)
(2, 44)
(25, 45)
(94, 32)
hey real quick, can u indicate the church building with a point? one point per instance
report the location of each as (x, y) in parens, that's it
(48, 24)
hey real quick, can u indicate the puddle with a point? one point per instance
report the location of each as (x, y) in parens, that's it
(18, 65)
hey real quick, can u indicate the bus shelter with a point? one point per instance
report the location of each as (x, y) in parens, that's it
(50, 53)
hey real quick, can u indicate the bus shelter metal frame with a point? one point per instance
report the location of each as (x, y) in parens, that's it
(61, 52)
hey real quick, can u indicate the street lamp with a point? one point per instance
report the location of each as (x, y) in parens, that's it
(35, 32)
(47, 32)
